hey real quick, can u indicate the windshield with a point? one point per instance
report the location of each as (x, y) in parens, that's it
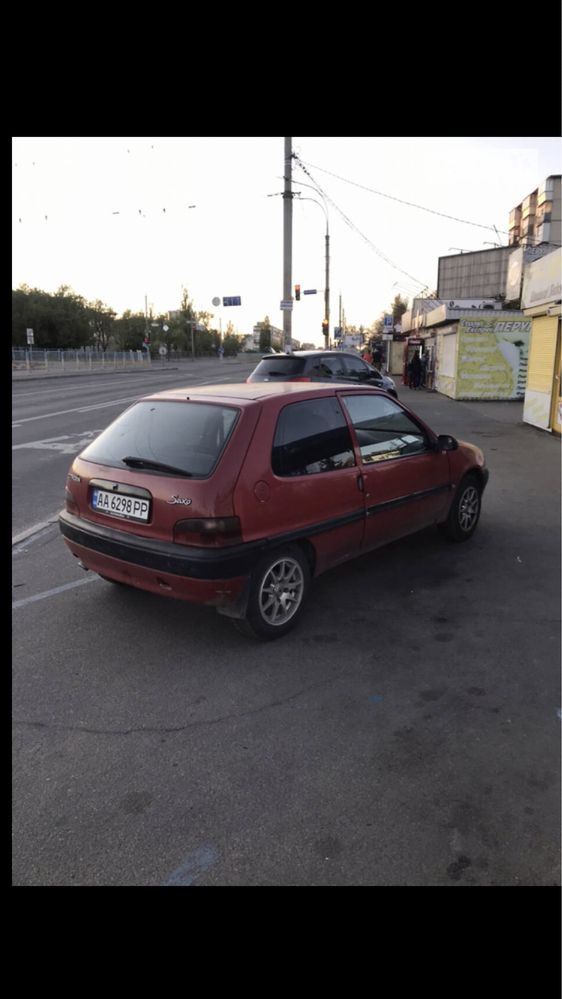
(165, 437)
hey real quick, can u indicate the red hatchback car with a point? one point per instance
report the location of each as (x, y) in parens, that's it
(237, 496)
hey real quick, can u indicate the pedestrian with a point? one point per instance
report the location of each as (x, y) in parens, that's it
(415, 371)
(367, 355)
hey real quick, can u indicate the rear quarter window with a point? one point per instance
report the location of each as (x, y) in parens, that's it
(311, 437)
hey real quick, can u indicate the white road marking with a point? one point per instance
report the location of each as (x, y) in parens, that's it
(56, 391)
(51, 593)
(81, 409)
(74, 442)
(30, 531)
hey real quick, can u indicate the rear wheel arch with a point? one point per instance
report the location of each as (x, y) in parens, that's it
(277, 590)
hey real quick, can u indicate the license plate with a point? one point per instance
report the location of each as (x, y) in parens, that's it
(127, 507)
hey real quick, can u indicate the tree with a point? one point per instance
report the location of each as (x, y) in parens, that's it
(189, 331)
(399, 307)
(129, 330)
(265, 334)
(101, 323)
(232, 344)
(59, 320)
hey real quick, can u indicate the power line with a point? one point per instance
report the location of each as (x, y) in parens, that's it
(422, 208)
(411, 204)
(355, 228)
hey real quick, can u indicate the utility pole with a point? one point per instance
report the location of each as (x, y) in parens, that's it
(327, 291)
(288, 243)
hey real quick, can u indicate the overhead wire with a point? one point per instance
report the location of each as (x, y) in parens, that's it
(402, 201)
(351, 224)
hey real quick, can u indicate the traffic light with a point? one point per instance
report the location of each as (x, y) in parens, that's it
(298, 292)
(325, 325)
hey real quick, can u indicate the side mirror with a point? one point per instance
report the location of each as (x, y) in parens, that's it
(445, 442)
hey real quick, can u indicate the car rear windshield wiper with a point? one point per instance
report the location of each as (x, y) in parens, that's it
(158, 466)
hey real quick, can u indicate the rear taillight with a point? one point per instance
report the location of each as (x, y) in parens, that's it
(299, 379)
(69, 501)
(208, 532)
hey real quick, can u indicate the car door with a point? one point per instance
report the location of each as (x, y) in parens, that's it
(358, 371)
(326, 368)
(309, 484)
(406, 481)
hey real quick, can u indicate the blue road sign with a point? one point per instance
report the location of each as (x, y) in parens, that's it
(236, 300)
(310, 291)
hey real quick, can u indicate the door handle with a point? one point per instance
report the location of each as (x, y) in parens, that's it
(360, 483)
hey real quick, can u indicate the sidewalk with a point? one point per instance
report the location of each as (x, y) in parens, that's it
(455, 415)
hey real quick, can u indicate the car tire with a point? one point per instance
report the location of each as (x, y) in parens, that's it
(278, 587)
(464, 514)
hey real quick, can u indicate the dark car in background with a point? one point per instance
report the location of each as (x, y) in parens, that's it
(238, 496)
(320, 366)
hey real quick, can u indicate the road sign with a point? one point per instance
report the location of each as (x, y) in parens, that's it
(216, 301)
(388, 322)
(310, 291)
(287, 305)
(233, 300)
(162, 350)
(337, 332)
(30, 340)
(387, 336)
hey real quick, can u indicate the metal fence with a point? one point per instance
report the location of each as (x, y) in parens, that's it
(76, 360)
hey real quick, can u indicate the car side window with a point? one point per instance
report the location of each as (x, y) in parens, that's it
(356, 367)
(383, 429)
(327, 367)
(311, 437)
(319, 369)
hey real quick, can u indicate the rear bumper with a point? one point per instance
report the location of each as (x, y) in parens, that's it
(216, 577)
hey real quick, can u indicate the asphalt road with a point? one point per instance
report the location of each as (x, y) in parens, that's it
(406, 733)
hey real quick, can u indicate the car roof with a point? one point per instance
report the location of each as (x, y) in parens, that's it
(309, 353)
(244, 393)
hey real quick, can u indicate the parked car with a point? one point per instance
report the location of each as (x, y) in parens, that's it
(237, 496)
(320, 366)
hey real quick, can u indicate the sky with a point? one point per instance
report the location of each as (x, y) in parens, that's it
(130, 220)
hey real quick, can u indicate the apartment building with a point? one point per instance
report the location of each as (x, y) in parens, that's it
(537, 219)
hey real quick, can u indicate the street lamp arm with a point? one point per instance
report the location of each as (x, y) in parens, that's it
(326, 323)
(323, 207)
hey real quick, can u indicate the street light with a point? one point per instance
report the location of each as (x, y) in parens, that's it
(326, 320)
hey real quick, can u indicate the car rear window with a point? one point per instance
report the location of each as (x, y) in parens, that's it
(278, 367)
(190, 436)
